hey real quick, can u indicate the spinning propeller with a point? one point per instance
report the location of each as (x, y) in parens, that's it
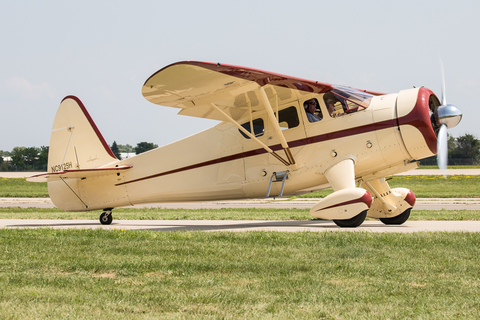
(446, 116)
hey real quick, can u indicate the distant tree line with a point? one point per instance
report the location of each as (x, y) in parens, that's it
(464, 150)
(141, 147)
(24, 159)
(36, 159)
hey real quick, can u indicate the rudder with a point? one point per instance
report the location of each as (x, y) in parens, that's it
(75, 141)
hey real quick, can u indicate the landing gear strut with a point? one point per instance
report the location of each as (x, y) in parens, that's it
(106, 217)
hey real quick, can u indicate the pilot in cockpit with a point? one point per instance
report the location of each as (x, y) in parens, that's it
(311, 107)
(334, 106)
(331, 107)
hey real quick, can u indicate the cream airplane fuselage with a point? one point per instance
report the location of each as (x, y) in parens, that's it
(284, 154)
(220, 163)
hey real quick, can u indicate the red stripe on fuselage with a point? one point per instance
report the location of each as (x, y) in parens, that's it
(297, 143)
(415, 118)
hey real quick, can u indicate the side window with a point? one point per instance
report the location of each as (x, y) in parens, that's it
(258, 128)
(344, 100)
(312, 110)
(288, 118)
(335, 107)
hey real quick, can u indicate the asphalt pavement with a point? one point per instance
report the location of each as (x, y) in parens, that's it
(242, 225)
(229, 225)
(278, 203)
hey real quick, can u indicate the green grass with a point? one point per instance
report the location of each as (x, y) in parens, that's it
(473, 166)
(427, 186)
(431, 186)
(98, 274)
(212, 214)
(160, 214)
(424, 186)
(20, 188)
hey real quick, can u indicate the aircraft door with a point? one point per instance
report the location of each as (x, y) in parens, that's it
(232, 169)
(260, 167)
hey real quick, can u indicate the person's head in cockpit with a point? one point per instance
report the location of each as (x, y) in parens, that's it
(310, 108)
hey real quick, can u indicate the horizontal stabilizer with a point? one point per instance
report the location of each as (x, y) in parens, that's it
(76, 174)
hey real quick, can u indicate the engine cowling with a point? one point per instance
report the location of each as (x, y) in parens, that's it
(414, 115)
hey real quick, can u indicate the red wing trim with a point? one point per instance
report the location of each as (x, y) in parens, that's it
(259, 76)
(92, 123)
(372, 92)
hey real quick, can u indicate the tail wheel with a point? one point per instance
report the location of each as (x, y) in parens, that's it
(400, 219)
(352, 222)
(106, 218)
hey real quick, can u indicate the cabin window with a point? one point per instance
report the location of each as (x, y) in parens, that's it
(312, 110)
(288, 118)
(343, 100)
(258, 128)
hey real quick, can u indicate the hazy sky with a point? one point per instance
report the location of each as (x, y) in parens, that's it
(103, 51)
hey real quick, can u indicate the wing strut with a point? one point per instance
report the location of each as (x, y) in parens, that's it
(251, 136)
(278, 131)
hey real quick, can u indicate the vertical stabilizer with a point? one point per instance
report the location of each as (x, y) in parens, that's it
(76, 142)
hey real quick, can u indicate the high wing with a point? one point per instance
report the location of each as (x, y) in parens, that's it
(228, 93)
(193, 86)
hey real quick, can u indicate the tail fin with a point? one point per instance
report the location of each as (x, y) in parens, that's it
(76, 142)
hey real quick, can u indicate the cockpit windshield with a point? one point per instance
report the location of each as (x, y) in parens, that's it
(343, 100)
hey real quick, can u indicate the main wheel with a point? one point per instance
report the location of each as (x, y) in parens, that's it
(352, 222)
(400, 219)
(106, 218)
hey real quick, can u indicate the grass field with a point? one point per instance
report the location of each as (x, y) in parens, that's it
(118, 274)
(474, 166)
(98, 274)
(429, 186)
(20, 188)
(212, 214)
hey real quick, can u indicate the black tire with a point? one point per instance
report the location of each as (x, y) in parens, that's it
(106, 218)
(352, 222)
(400, 219)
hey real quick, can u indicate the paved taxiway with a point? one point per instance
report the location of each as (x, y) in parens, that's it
(229, 225)
(242, 225)
(279, 203)
(232, 225)
(421, 204)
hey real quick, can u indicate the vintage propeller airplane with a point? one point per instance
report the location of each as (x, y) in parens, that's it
(278, 135)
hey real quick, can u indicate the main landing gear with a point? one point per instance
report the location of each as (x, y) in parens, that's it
(352, 222)
(106, 217)
(400, 219)
(348, 206)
